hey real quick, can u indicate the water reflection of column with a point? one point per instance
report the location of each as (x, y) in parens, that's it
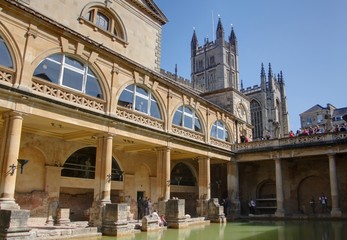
(337, 228)
(233, 184)
(281, 235)
(204, 177)
(279, 189)
(335, 209)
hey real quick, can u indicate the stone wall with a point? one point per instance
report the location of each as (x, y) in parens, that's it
(37, 202)
(302, 179)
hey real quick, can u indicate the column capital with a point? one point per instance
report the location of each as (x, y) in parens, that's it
(331, 154)
(162, 149)
(105, 135)
(13, 114)
(204, 158)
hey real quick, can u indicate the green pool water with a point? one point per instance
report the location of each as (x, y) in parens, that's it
(250, 230)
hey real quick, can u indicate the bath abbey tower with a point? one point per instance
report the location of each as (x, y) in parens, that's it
(215, 73)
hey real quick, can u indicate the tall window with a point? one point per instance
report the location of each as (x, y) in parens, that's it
(219, 131)
(5, 56)
(257, 119)
(69, 72)
(139, 99)
(186, 117)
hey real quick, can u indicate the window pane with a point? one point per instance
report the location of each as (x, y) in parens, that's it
(197, 125)
(5, 57)
(227, 136)
(213, 131)
(92, 87)
(141, 104)
(188, 122)
(48, 70)
(220, 133)
(89, 15)
(72, 79)
(177, 120)
(188, 111)
(126, 98)
(102, 21)
(155, 112)
(141, 91)
(74, 63)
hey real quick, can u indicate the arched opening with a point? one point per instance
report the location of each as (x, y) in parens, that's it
(266, 197)
(309, 187)
(186, 117)
(219, 131)
(81, 164)
(140, 99)
(70, 73)
(77, 190)
(184, 186)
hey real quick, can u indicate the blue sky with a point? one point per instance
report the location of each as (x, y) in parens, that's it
(305, 39)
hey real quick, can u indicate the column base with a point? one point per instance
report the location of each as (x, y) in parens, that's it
(336, 212)
(280, 213)
(9, 204)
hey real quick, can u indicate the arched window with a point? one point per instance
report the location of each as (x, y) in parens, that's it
(81, 164)
(106, 21)
(139, 99)
(5, 56)
(186, 117)
(69, 72)
(219, 131)
(257, 119)
(182, 175)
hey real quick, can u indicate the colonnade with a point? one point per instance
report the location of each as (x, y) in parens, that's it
(335, 208)
(12, 129)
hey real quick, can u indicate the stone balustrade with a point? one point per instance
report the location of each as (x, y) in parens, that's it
(295, 142)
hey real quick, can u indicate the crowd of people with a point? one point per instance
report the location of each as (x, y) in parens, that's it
(304, 132)
(316, 130)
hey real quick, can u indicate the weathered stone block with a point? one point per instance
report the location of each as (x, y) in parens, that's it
(14, 224)
(114, 222)
(62, 216)
(150, 223)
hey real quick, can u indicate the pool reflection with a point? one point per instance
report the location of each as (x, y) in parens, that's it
(250, 230)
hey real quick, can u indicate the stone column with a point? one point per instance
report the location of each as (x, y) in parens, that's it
(233, 187)
(52, 187)
(279, 189)
(103, 167)
(335, 208)
(102, 188)
(204, 178)
(163, 173)
(10, 151)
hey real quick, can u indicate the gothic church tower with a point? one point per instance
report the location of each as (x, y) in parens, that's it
(215, 74)
(214, 65)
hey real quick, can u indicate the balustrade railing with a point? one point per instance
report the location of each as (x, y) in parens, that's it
(293, 141)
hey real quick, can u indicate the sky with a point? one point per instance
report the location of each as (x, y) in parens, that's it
(305, 39)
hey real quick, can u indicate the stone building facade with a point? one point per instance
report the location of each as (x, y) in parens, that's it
(84, 105)
(326, 119)
(88, 118)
